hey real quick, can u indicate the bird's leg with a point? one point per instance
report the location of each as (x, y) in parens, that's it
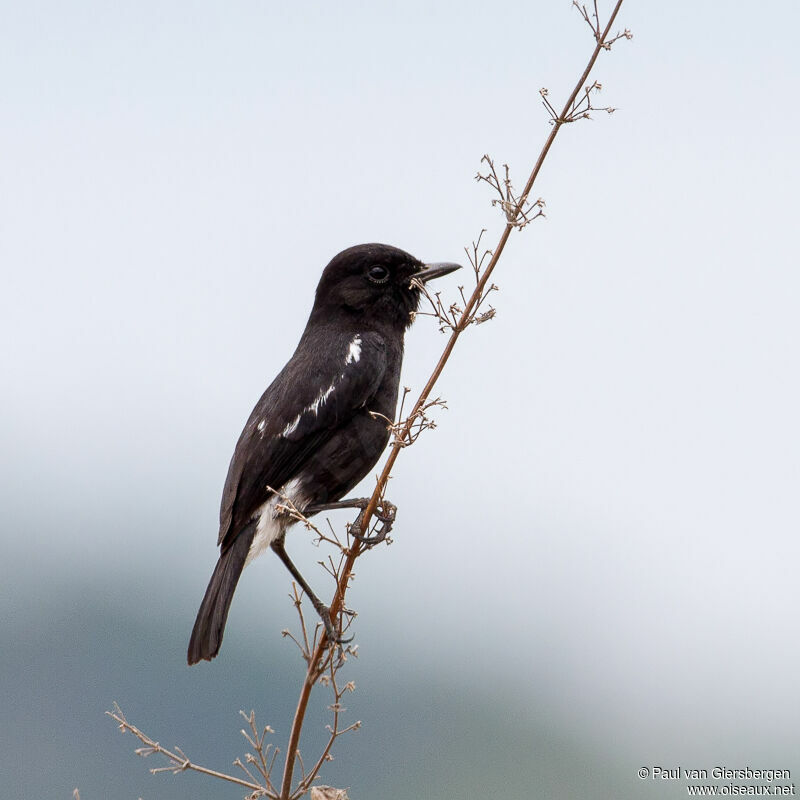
(324, 612)
(386, 516)
(352, 502)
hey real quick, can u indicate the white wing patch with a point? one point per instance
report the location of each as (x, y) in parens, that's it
(313, 408)
(352, 357)
(292, 426)
(354, 351)
(321, 398)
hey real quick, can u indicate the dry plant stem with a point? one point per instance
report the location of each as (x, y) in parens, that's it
(180, 763)
(356, 549)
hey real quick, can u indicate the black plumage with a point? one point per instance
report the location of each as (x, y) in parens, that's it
(311, 436)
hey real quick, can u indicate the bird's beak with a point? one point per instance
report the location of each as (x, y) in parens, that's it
(431, 271)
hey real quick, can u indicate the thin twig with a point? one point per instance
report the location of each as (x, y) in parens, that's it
(180, 762)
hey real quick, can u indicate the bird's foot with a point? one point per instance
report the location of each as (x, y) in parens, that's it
(386, 513)
(333, 636)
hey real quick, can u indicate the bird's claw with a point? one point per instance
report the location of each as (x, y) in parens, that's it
(386, 516)
(331, 634)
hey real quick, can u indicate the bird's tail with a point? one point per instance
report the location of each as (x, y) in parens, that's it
(210, 623)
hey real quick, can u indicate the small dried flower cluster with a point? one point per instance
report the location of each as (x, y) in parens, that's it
(593, 22)
(580, 108)
(406, 431)
(518, 211)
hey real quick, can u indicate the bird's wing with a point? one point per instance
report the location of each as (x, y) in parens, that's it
(311, 397)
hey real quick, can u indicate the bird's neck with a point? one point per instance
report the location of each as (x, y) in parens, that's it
(342, 318)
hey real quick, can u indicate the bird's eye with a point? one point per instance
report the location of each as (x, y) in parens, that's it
(378, 274)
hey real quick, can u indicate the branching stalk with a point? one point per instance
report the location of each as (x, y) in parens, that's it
(603, 42)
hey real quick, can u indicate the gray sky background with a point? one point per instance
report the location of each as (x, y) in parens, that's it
(605, 522)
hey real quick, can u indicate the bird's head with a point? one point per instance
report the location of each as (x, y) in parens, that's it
(375, 281)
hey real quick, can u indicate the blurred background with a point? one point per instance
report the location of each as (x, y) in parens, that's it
(595, 560)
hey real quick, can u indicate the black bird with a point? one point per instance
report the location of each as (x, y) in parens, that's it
(311, 437)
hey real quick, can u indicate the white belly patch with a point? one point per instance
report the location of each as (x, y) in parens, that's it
(272, 523)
